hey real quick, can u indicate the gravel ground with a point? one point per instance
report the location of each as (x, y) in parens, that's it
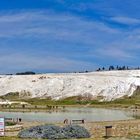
(97, 129)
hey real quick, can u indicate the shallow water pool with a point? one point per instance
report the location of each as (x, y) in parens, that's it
(89, 114)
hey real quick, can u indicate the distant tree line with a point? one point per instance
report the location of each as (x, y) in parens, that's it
(110, 68)
(26, 73)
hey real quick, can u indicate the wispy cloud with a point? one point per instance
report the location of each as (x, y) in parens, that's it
(58, 25)
(51, 41)
(126, 20)
(116, 53)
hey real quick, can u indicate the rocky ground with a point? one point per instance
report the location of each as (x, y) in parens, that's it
(120, 129)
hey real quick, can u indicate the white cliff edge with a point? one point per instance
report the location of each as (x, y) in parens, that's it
(108, 84)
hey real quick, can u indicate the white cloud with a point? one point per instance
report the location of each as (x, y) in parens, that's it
(50, 24)
(114, 52)
(66, 31)
(126, 20)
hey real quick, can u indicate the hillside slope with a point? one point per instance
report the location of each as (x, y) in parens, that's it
(107, 85)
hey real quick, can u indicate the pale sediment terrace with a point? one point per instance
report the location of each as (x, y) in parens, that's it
(108, 85)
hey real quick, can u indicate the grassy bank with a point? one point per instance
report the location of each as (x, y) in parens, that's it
(44, 105)
(78, 101)
(124, 102)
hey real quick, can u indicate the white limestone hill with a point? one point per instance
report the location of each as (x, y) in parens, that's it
(107, 85)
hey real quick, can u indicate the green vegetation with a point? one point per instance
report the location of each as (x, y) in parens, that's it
(26, 73)
(78, 100)
(10, 123)
(10, 96)
(126, 102)
(67, 101)
(9, 138)
(14, 96)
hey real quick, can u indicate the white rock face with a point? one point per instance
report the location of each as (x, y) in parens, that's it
(109, 85)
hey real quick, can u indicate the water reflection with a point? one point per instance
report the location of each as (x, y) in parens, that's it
(89, 114)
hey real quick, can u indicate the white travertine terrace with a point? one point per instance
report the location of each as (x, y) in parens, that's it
(108, 84)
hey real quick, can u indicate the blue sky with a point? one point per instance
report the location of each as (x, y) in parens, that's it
(68, 35)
